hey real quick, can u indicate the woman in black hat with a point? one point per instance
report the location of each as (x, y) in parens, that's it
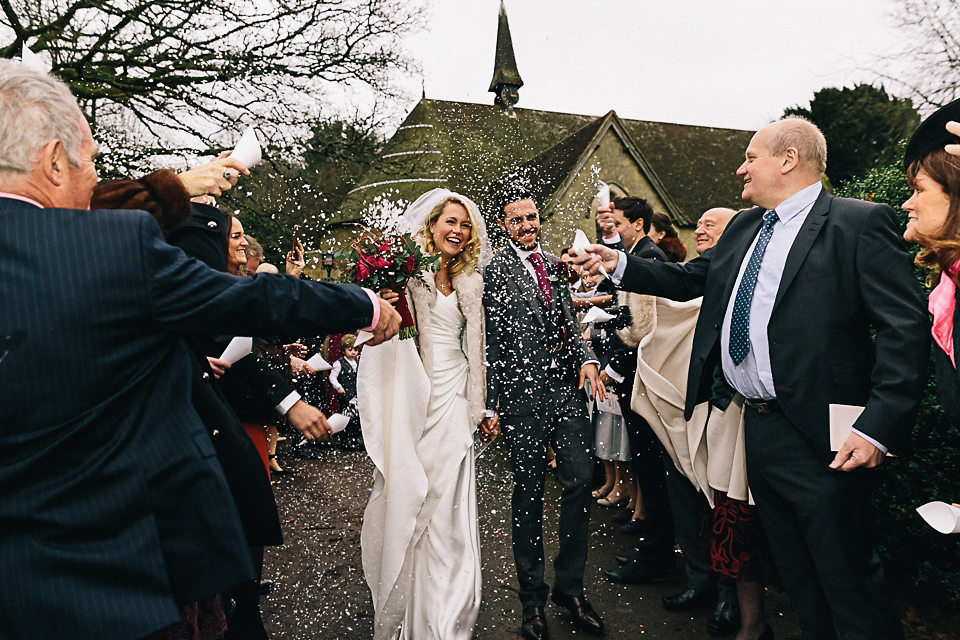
(934, 223)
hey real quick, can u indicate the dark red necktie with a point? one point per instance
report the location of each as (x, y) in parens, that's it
(536, 259)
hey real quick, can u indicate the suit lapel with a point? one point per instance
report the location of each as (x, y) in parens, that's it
(528, 291)
(804, 241)
(752, 219)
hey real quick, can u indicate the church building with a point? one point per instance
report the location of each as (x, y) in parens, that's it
(681, 170)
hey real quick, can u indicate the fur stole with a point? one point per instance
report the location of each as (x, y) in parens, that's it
(161, 194)
(641, 313)
(469, 287)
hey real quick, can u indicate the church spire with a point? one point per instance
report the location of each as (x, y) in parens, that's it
(506, 79)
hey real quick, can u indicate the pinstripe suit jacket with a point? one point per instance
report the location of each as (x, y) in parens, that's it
(112, 505)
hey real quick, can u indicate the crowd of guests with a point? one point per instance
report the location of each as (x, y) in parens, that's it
(139, 503)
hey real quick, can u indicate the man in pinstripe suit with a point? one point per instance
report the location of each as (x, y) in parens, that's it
(113, 510)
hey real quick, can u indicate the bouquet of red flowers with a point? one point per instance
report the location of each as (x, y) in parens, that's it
(387, 260)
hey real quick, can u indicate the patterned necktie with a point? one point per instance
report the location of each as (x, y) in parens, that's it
(536, 259)
(740, 323)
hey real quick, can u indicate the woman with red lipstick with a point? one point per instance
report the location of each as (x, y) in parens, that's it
(934, 223)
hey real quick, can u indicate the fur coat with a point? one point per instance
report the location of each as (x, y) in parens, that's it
(641, 317)
(469, 288)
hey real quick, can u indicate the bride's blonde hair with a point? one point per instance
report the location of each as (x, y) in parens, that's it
(469, 257)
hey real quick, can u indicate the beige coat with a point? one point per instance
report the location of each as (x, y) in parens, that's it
(708, 449)
(469, 288)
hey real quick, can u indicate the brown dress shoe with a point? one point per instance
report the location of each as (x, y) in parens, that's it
(583, 614)
(534, 625)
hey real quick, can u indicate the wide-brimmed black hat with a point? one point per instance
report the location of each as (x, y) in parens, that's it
(932, 134)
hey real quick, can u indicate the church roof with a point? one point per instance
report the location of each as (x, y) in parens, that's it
(466, 147)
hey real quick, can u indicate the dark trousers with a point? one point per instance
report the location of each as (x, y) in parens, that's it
(564, 424)
(689, 508)
(656, 549)
(819, 525)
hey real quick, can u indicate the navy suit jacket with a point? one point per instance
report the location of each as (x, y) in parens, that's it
(112, 505)
(846, 275)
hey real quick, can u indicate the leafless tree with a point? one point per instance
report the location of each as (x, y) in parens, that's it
(927, 66)
(177, 75)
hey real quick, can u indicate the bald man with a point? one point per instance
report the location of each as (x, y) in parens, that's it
(809, 302)
(710, 227)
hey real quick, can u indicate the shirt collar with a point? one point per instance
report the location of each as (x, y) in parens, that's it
(14, 196)
(522, 253)
(798, 202)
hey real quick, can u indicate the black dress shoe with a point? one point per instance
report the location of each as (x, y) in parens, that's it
(690, 600)
(724, 620)
(266, 586)
(634, 572)
(622, 560)
(583, 614)
(534, 625)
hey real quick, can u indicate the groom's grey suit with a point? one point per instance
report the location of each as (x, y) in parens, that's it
(534, 356)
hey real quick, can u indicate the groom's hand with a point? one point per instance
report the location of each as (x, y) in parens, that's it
(589, 372)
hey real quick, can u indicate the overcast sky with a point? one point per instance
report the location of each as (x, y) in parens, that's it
(723, 63)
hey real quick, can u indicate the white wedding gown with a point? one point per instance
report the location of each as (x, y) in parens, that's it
(420, 539)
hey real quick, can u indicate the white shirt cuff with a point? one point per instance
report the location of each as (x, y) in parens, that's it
(287, 403)
(613, 374)
(618, 272)
(488, 413)
(882, 448)
(614, 239)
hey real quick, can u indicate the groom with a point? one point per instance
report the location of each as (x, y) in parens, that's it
(537, 364)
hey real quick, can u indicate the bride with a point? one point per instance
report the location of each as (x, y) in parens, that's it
(420, 403)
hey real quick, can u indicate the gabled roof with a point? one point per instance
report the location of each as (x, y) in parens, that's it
(466, 147)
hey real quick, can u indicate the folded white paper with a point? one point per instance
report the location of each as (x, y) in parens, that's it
(943, 517)
(247, 150)
(317, 362)
(604, 194)
(237, 349)
(362, 336)
(610, 405)
(842, 417)
(338, 422)
(580, 244)
(596, 314)
(32, 61)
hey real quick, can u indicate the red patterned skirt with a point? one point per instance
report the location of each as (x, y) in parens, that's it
(203, 620)
(738, 545)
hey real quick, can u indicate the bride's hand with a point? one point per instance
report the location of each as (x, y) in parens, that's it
(390, 296)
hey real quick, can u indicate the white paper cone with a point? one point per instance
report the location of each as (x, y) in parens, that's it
(580, 244)
(362, 336)
(317, 362)
(338, 422)
(596, 314)
(32, 61)
(237, 349)
(604, 194)
(943, 517)
(247, 150)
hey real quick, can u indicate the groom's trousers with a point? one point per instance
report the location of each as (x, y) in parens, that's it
(562, 422)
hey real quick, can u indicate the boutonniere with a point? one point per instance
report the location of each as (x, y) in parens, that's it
(552, 278)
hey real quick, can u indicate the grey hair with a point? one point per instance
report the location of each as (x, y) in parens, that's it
(802, 135)
(35, 108)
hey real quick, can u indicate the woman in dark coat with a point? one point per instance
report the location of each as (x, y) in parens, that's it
(934, 223)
